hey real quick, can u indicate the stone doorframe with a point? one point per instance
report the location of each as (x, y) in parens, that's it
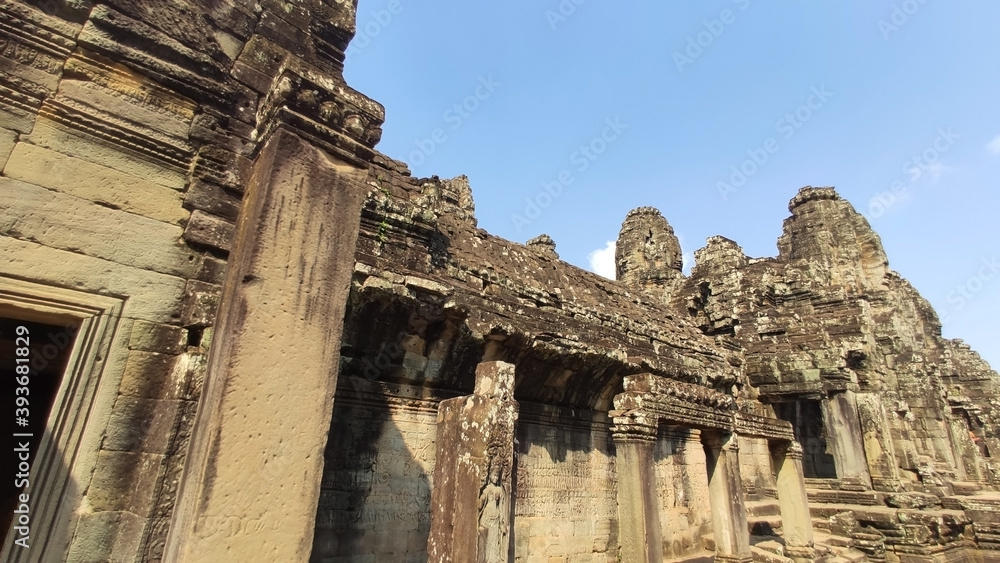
(67, 454)
(648, 401)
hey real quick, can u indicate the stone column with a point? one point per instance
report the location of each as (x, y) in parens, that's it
(844, 438)
(725, 494)
(966, 451)
(638, 504)
(796, 521)
(252, 478)
(471, 494)
(879, 451)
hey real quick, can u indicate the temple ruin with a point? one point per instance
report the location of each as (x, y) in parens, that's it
(256, 338)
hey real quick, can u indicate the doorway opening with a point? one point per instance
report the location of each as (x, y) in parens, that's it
(43, 350)
(806, 416)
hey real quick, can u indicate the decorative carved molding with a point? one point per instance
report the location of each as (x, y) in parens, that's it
(750, 424)
(331, 114)
(651, 397)
(78, 117)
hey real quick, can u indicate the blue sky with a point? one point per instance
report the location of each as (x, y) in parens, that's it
(567, 114)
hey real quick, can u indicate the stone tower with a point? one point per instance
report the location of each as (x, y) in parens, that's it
(648, 253)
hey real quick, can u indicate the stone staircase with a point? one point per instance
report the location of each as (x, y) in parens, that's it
(864, 525)
(854, 525)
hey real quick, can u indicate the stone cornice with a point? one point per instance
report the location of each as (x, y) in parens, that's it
(328, 113)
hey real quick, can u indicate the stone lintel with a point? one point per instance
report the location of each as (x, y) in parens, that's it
(750, 424)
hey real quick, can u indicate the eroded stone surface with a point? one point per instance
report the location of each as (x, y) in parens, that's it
(131, 136)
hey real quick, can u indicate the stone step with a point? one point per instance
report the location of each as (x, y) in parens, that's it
(952, 503)
(824, 496)
(840, 559)
(768, 543)
(764, 556)
(852, 555)
(699, 557)
(966, 488)
(821, 524)
(831, 540)
(768, 507)
(820, 483)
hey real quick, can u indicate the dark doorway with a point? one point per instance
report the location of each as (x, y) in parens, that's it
(47, 348)
(806, 417)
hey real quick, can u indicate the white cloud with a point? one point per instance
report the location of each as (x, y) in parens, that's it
(602, 260)
(994, 145)
(687, 257)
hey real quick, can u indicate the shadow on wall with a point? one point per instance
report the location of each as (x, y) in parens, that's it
(682, 490)
(375, 494)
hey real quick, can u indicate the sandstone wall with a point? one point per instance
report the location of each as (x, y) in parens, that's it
(96, 161)
(565, 508)
(682, 488)
(375, 497)
(756, 467)
(126, 132)
(127, 135)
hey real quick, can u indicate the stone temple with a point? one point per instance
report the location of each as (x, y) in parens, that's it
(255, 338)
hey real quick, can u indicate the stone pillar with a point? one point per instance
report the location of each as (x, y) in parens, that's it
(725, 494)
(252, 479)
(879, 451)
(844, 438)
(796, 521)
(471, 494)
(967, 453)
(639, 532)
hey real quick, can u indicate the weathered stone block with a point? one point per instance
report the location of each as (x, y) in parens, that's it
(124, 481)
(213, 199)
(70, 223)
(141, 425)
(153, 296)
(85, 179)
(149, 375)
(157, 337)
(49, 134)
(201, 303)
(97, 533)
(209, 230)
(8, 139)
